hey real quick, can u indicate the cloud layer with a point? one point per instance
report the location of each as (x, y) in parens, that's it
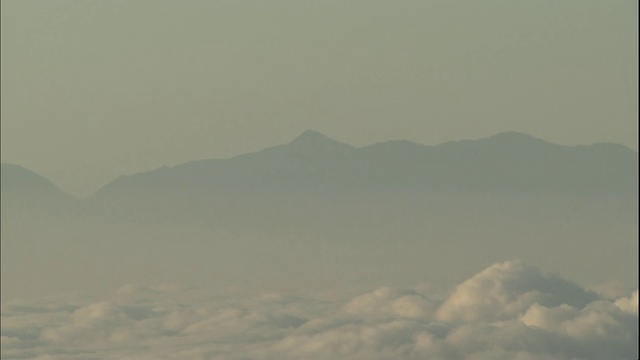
(508, 311)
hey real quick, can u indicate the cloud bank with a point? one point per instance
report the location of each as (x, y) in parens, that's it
(508, 311)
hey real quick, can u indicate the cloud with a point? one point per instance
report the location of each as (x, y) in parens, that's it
(386, 301)
(505, 290)
(630, 304)
(508, 311)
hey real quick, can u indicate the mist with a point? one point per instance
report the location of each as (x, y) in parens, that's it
(319, 180)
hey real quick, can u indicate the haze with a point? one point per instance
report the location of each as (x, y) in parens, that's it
(95, 89)
(319, 180)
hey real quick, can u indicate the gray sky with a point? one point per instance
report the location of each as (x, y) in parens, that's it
(95, 89)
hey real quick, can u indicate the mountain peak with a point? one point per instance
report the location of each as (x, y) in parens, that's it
(311, 136)
(313, 141)
(513, 138)
(512, 135)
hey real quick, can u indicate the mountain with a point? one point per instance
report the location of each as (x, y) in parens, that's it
(316, 210)
(17, 181)
(503, 163)
(24, 190)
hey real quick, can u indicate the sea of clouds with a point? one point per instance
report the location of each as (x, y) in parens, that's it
(510, 310)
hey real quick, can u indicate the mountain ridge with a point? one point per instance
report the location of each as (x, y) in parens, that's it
(310, 146)
(504, 161)
(16, 177)
(26, 193)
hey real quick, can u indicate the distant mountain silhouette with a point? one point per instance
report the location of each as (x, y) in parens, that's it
(16, 179)
(23, 189)
(381, 209)
(506, 162)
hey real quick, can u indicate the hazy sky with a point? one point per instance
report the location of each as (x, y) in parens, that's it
(95, 89)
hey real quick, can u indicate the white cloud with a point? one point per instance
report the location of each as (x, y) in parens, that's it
(507, 289)
(386, 301)
(508, 311)
(629, 304)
